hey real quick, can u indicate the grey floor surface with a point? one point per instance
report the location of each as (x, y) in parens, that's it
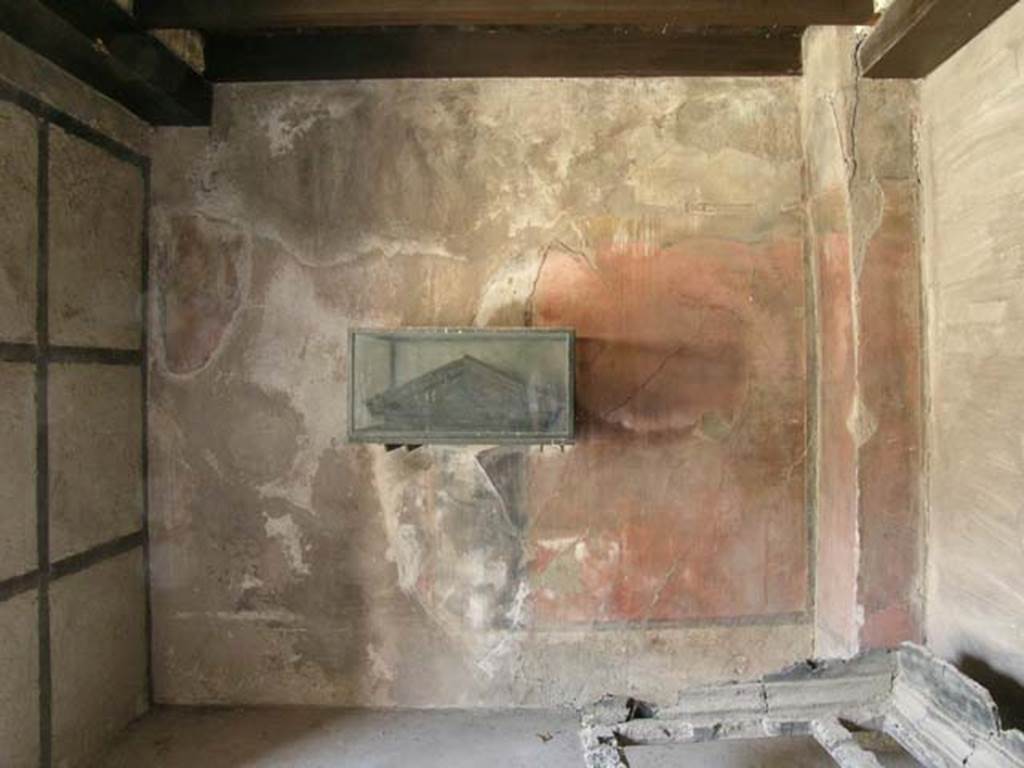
(311, 738)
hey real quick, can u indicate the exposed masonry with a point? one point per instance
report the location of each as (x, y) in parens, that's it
(933, 711)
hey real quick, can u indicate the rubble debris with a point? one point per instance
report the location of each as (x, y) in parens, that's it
(936, 713)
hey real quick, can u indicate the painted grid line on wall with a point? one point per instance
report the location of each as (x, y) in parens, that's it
(42, 355)
(42, 445)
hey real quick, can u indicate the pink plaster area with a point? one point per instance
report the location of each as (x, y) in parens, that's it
(684, 496)
(890, 462)
(837, 545)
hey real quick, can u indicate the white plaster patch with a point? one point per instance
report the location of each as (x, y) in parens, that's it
(380, 670)
(509, 643)
(861, 422)
(406, 553)
(251, 582)
(286, 121)
(559, 544)
(301, 350)
(478, 612)
(391, 248)
(285, 530)
(511, 285)
(481, 571)
(517, 612)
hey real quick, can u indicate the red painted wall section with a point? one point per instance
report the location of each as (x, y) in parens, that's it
(863, 220)
(890, 460)
(684, 497)
(837, 539)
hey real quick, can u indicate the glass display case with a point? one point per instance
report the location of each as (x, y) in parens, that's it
(461, 385)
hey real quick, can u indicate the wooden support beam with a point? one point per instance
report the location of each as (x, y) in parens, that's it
(914, 37)
(437, 52)
(238, 15)
(103, 46)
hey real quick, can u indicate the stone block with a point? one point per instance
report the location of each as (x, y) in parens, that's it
(96, 216)
(96, 482)
(938, 714)
(716, 701)
(17, 469)
(19, 681)
(98, 647)
(1002, 750)
(18, 224)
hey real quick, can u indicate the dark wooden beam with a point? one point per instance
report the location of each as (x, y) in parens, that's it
(426, 52)
(240, 15)
(503, 51)
(104, 46)
(914, 37)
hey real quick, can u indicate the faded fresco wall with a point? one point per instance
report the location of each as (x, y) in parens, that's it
(863, 223)
(663, 219)
(973, 173)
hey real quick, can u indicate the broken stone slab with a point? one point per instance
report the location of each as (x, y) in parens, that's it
(601, 747)
(710, 702)
(841, 745)
(605, 756)
(1003, 749)
(857, 689)
(656, 731)
(611, 710)
(943, 718)
(940, 716)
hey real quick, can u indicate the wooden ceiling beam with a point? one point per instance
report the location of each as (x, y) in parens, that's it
(439, 52)
(103, 46)
(914, 37)
(242, 15)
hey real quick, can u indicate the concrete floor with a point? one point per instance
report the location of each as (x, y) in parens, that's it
(310, 738)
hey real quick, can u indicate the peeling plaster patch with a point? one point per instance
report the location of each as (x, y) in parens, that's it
(287, 121)
(250, 582)
(518, 612)
(407, 555)
(510, 644)
(391, 248)
(301, 349)
(203, 266)
(510, 287)
(483, 571)
(288, 535)
(478, 613)
(861, 422)
(449, 537)
(868, 202)
(380, 670)
(376, 248)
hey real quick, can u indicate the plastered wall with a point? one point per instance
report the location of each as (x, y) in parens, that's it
(73, 607)
(973, 180)
(863, 212)
(663, 219)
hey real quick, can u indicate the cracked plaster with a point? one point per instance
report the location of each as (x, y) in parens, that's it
(662, 219)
